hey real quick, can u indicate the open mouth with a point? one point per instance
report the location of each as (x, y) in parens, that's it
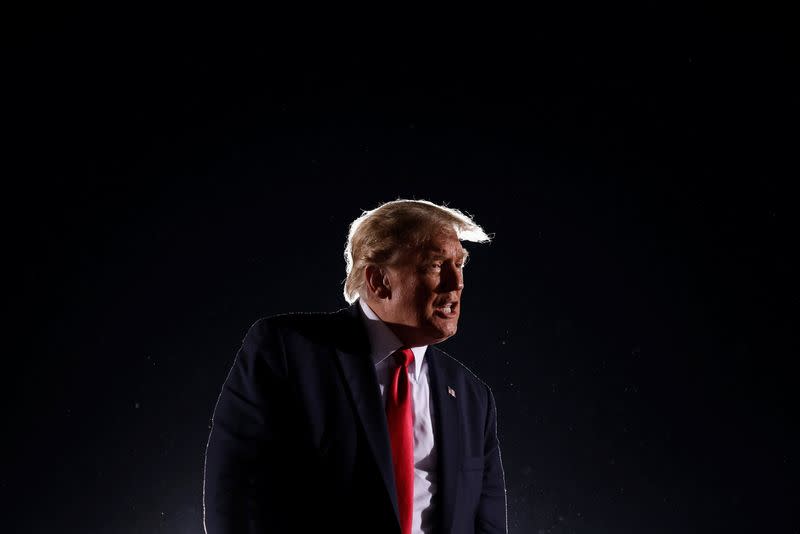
(447, 309)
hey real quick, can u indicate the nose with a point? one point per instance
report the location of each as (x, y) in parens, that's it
(453, 279)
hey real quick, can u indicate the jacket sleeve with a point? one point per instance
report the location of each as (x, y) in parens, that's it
(244, 481)
(492, 517)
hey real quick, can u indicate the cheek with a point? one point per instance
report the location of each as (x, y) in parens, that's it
(419, 303)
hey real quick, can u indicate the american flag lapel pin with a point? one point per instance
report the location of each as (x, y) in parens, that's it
(451, 392)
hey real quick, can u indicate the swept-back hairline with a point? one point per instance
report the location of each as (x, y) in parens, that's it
(404, 226)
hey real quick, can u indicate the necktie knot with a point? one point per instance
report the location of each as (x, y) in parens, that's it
(403, 357)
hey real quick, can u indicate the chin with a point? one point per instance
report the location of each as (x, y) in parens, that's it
(440, 334)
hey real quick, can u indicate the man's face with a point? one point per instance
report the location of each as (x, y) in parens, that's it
(425, 291)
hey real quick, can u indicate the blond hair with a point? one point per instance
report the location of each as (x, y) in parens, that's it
(377, 235)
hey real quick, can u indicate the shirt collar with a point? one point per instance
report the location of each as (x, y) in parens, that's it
(383, 342)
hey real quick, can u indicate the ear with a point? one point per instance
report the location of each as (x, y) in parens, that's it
(377, 281)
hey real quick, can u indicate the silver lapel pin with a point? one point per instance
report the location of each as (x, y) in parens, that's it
(451, 392)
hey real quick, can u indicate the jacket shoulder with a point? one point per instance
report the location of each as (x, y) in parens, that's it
(300, 321)
(277, 339)
(341, 328)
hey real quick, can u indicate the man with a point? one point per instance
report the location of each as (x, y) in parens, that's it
(353, 421)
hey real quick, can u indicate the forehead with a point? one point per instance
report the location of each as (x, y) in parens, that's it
(443, 245)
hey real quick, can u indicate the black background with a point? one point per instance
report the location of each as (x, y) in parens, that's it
(171, 176)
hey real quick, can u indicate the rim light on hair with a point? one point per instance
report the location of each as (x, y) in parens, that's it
(378, 234)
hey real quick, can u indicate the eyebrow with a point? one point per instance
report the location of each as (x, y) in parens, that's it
(440, 256)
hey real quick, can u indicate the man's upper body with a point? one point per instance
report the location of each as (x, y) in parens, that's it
(300, 440)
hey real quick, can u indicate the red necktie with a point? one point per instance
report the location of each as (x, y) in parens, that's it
(401, 434)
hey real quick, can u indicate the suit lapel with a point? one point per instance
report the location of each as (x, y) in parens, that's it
(447, 422)
(359, 375)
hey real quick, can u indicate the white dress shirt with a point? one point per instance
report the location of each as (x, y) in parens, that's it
(383, 343)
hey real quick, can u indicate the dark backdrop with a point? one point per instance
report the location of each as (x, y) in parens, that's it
(173, 176)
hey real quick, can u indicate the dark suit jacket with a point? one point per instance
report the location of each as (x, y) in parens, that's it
(299, 440)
